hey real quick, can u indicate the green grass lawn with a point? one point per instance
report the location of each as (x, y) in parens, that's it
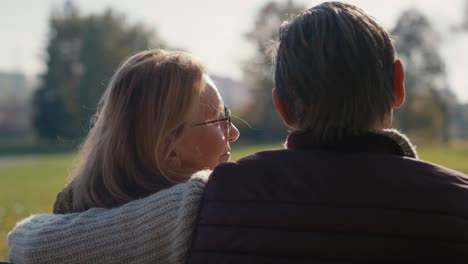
(29, 188)
(32, 187)
(455, 157)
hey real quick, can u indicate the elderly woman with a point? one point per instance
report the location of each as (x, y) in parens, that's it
(160, 121)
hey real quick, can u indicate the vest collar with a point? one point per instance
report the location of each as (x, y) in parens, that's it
(386, 141)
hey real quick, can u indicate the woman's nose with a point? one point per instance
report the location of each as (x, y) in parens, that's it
(233, 133)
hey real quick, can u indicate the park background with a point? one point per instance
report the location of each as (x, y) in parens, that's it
(57, 57)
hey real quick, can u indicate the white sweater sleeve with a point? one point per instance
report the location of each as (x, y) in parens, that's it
(156, 229)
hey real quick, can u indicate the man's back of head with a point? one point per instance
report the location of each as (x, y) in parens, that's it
(346, 189)
(334, 71)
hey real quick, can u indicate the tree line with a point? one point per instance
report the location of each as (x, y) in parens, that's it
(83, 51)
(431, 111)
(81, 55)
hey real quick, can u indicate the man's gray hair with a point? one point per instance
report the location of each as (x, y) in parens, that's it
(334, 69)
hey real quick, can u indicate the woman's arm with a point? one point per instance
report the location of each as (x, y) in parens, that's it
(155, 229)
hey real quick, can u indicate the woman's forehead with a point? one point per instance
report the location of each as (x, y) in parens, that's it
(208, 80)
(211, 97)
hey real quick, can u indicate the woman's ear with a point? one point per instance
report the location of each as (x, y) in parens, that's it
(398, 84)
(282, 109)
(173, 159)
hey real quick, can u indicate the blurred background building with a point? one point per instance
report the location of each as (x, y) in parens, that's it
(15, 106)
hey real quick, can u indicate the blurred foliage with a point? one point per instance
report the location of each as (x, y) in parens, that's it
(464, 24)
(258, 72)
(461, 118)
(33, 147)
(431, 111)
(426, 113)
(83, 51)
(82, 54)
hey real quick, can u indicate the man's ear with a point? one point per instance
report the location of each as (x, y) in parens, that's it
(282, 109)
(398, 84)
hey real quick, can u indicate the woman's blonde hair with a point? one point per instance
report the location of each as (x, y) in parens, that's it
(140, 117)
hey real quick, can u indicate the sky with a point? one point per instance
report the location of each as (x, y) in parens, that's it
(212, 30)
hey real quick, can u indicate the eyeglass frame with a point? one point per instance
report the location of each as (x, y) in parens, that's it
(227, 117)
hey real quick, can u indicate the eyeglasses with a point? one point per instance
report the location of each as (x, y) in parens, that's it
(227, 117)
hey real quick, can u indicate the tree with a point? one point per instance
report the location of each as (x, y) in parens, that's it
(81, 55)
(417, 44)
(258, 74)
(464, 24)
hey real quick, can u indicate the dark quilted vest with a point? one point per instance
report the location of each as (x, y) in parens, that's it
(354, 202)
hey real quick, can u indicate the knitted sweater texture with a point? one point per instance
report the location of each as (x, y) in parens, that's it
(157, 229)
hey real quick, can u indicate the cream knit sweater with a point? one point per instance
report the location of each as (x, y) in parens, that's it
(157, 229)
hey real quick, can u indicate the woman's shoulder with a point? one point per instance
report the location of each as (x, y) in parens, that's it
(163, 221)
(200, 177)
(64, 201)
